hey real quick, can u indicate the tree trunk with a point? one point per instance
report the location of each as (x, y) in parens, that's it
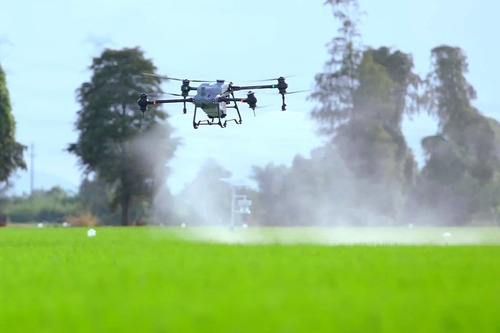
(125, 209)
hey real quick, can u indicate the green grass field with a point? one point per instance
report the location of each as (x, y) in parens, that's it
(257, 280)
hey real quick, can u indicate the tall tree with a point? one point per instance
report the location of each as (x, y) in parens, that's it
(117, 143)
(335, 86)
(11, 151)
(460, 179)
(363, 96)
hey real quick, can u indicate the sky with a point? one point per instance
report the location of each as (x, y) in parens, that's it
(46, 48)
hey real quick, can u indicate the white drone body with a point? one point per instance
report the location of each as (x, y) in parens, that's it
(208, 97)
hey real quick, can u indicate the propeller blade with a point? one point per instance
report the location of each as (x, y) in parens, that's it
(156, 75)
(276, 78)
(296, 92)
(201, 80)
(272, 92)
(174, 78)
(155, 95)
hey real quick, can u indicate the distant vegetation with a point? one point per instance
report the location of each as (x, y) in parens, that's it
(53, 205)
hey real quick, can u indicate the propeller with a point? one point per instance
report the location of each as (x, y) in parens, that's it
(172, 94)
(275, 78)
(296, 92)
(156, 95)
(174, 78)
(269, 92)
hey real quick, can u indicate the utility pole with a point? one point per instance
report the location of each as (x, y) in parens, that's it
(32, 169)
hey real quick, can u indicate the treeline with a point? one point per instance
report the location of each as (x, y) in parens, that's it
(53, 205)
(366, 174)
(206, 201)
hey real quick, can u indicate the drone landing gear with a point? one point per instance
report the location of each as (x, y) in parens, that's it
(216, 120)
(210, 121)
(235, 106)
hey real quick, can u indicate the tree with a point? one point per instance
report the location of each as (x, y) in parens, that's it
(95, 197)
(371, 141)
(336, 85)
(11, 151)
(363, 96)
(461, 176)
(126, 149)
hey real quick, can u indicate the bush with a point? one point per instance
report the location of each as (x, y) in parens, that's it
(82, 220)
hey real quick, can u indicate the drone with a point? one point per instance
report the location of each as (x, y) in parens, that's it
(215, 98)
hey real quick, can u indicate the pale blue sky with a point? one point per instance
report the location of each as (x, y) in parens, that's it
(46, 47)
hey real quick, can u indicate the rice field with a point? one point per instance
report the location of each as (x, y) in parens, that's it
(250, 280)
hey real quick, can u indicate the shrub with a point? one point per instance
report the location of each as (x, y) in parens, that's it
(82, 220)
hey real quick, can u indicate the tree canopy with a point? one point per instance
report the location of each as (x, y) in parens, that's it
(117, 143)
(11, 151)
(363, 95)
(461, 177)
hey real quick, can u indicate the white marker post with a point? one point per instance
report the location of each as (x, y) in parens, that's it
(240, 199)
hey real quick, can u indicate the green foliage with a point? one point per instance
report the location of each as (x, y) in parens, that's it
(11, 152)
(96, 197)
(370, 139)
(379, 105)
(448, 94)
(43, 206)
(461, 178)
(363, 96)
(123, 147)
(119, 279)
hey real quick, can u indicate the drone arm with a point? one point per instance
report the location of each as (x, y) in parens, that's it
(267, 86)
(242, 100)
(144, 101)
(164, 101)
